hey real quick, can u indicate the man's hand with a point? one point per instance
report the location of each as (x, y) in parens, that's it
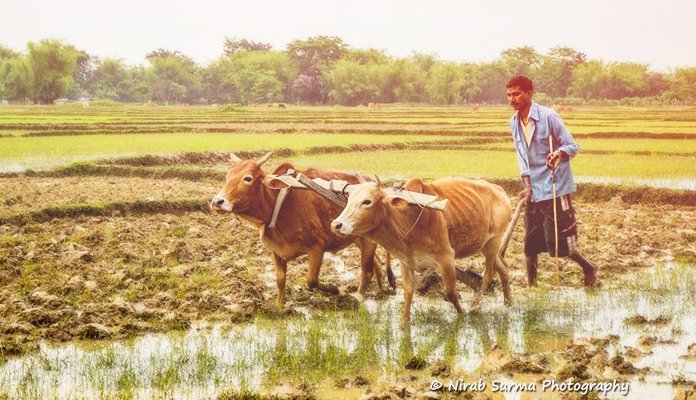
(525, 195)
(553, 159)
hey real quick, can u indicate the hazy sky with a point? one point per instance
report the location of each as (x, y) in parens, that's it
(659, 33)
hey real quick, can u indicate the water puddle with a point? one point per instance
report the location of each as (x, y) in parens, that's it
(209, 359)
(343, 273)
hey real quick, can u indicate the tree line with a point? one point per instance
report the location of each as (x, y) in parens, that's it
(325, 70)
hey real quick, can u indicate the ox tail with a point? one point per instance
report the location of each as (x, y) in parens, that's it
(511, 227)
(390, 274)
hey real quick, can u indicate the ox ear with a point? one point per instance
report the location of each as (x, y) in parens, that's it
(273, 182)
(263, 159)
(234, 159)
(396, 201)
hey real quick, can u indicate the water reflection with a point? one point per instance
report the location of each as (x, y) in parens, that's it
(208, 359)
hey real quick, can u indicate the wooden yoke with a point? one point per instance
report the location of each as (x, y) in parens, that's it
(337, 191)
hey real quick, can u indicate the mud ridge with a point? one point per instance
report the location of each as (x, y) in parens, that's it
(138, 207)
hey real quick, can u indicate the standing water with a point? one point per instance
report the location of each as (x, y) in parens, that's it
(210, 359)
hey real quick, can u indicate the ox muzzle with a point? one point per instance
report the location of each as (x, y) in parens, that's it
(220, 203)
(342, 226)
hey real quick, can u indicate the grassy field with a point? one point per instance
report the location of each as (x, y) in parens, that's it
(46, 137)
(487, 164)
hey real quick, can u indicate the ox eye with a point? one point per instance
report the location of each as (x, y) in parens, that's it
(248, 179)
(367, 202)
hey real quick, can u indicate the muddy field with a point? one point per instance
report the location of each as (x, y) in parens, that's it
(114, 270)
(130, 273)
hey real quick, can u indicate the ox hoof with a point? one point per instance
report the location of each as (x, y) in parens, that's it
(474, 308)
(328, 288)
(359, 297)
(593, 285)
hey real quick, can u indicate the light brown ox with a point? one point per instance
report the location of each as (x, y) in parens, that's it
(303, 225)
(474, 221)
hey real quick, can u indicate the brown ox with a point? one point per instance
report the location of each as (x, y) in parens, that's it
(474, 221)
(303, 225)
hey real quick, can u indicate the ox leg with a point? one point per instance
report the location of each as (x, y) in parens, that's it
(449, 277)
(281, 267)
(407, 277)
(367, 265)
(504, 279)
(490, 250)
(316, 257)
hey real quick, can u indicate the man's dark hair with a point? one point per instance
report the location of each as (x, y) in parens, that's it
(521, 82)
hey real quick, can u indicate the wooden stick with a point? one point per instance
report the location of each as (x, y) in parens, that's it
(555, 215)
(511, 227)
(337, 199)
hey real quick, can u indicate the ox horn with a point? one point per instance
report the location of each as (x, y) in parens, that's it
(263, 159)
(234, 159)
(379, 181)
(360, 178)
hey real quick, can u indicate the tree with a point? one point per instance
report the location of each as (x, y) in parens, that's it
(8, 53)
(112, 79)
(625, 79)
(470, 89)
(218, 81)
(683, 85)
(353, 83)
(555, 74)
(492, 78)
(657, 84)
(446, 80)
(263, 76)
(315, 52)
(522, 60)
(82, 75)
(177, 77)
(307, 88)
(398, 80)
(587, 80)
(14, 74)
(315, 55)
(420, 64)
(369, 56)
(51, 65)
(233, 46)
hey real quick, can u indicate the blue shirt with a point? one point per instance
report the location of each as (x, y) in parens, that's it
(532, 159)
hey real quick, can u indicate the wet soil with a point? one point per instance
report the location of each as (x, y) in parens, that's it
(138, 273)
(121, 275)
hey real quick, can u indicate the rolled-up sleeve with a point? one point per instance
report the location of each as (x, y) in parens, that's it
(563, 136)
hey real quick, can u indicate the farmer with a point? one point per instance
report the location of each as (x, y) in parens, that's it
(531, 128)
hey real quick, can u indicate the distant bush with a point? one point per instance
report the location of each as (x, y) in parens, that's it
(231, 108)
(106, 103)
(543, 99)
(570, 101)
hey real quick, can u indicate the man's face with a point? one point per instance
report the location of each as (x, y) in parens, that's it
(518, 98)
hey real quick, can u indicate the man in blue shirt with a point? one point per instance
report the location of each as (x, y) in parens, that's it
(532, 127)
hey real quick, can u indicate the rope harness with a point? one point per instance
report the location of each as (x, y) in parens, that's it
(400, 187)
